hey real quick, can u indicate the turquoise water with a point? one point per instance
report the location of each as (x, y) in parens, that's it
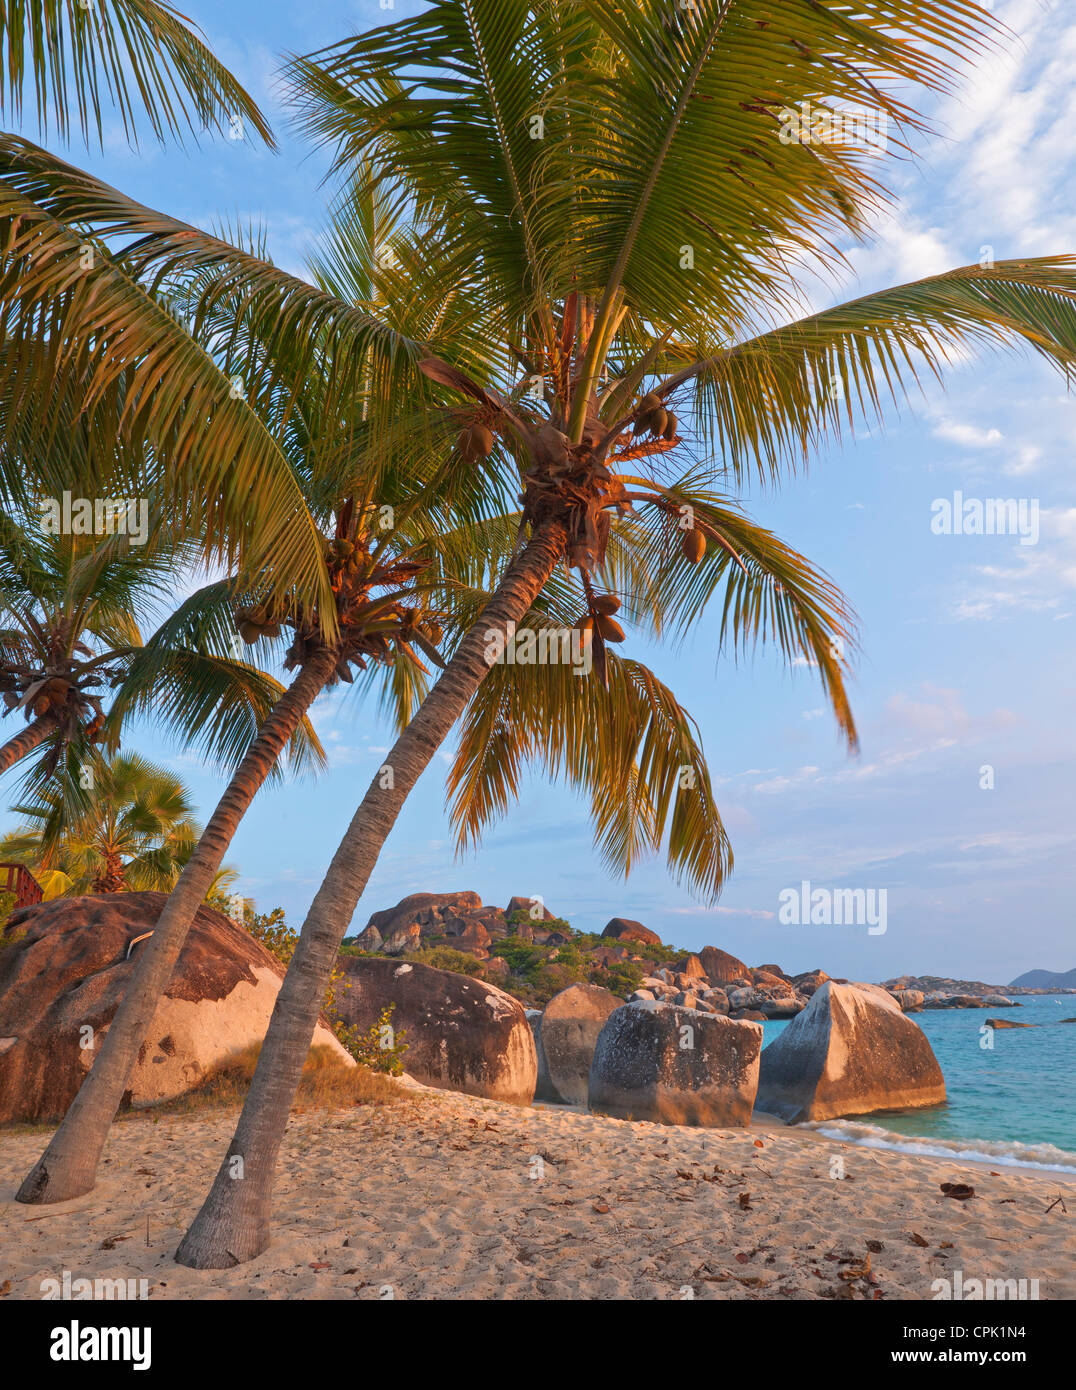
(1012, 1103)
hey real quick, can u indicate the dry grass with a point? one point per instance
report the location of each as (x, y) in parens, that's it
(327, 1084)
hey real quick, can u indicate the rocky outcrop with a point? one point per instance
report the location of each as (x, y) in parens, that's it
(721, 968)
(690, 966)
(65, 969)
(458, 920)
(910, 1000)
(675, 1066)
(565, 1034)
(462, 1034)
(624, 929)
(850, 1052)
(535, 909)
(809, 982)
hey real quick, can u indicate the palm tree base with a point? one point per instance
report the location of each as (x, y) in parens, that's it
(232, 1227)
(47, 1183)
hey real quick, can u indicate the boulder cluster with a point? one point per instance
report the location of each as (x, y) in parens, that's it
(685, 1047)
(716, 983)
(458, 920)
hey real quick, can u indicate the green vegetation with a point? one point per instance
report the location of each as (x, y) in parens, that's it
(380, 1047)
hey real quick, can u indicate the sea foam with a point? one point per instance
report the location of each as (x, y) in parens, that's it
(1001, 1153)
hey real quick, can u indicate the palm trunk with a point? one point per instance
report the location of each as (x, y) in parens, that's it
(68, 1167)
(33, 736)
(233, 1224)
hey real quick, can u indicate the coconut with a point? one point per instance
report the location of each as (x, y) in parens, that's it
(610, 629)
(693, 544)
(476, 442)
(606, 603)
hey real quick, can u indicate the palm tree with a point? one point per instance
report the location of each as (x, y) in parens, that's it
(73, 662)
(610, 183)
(134, 831)
(383, 580)
(66, 52)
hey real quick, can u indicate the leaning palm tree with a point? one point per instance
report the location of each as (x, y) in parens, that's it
(133, 831)
(376, 576)
(611, 182)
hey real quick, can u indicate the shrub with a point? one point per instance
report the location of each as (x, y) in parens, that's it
(445, 958)
(380, 1048)
(273, 932)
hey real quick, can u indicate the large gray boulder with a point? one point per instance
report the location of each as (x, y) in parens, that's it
(462, 1033)
(567, 1033)
(675, 1066)
(64, 969)
(850, 1052)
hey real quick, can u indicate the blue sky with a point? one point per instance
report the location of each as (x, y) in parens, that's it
(966, 641)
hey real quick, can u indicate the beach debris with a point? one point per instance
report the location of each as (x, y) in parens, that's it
(919, 1240)
(875, 1247)
(319, 1264)
(745, 1201)
(856, 1270)
(110, 1242)
(958, 1191)
(742, 1257)
(1058, 1201)
(759, 1144)
(601, 1208)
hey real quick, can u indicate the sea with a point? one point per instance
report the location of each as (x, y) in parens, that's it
(1011, 1091)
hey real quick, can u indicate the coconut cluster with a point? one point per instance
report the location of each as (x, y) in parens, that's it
(56, 693)
(652, 418)
(600, 618)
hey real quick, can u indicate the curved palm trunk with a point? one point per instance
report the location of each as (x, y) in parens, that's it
(68, 1167)
(234, 1222)
(33, 736)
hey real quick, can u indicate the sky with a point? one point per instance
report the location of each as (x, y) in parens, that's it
(966, 657)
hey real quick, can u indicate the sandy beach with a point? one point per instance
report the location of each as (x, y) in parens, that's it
(444, 1196)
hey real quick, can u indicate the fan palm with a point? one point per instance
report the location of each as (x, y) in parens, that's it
(133, 830)
(609, 183)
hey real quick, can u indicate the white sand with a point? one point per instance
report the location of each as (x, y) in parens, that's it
(439, 1196)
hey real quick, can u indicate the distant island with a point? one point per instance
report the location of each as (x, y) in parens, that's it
(1046, 979)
